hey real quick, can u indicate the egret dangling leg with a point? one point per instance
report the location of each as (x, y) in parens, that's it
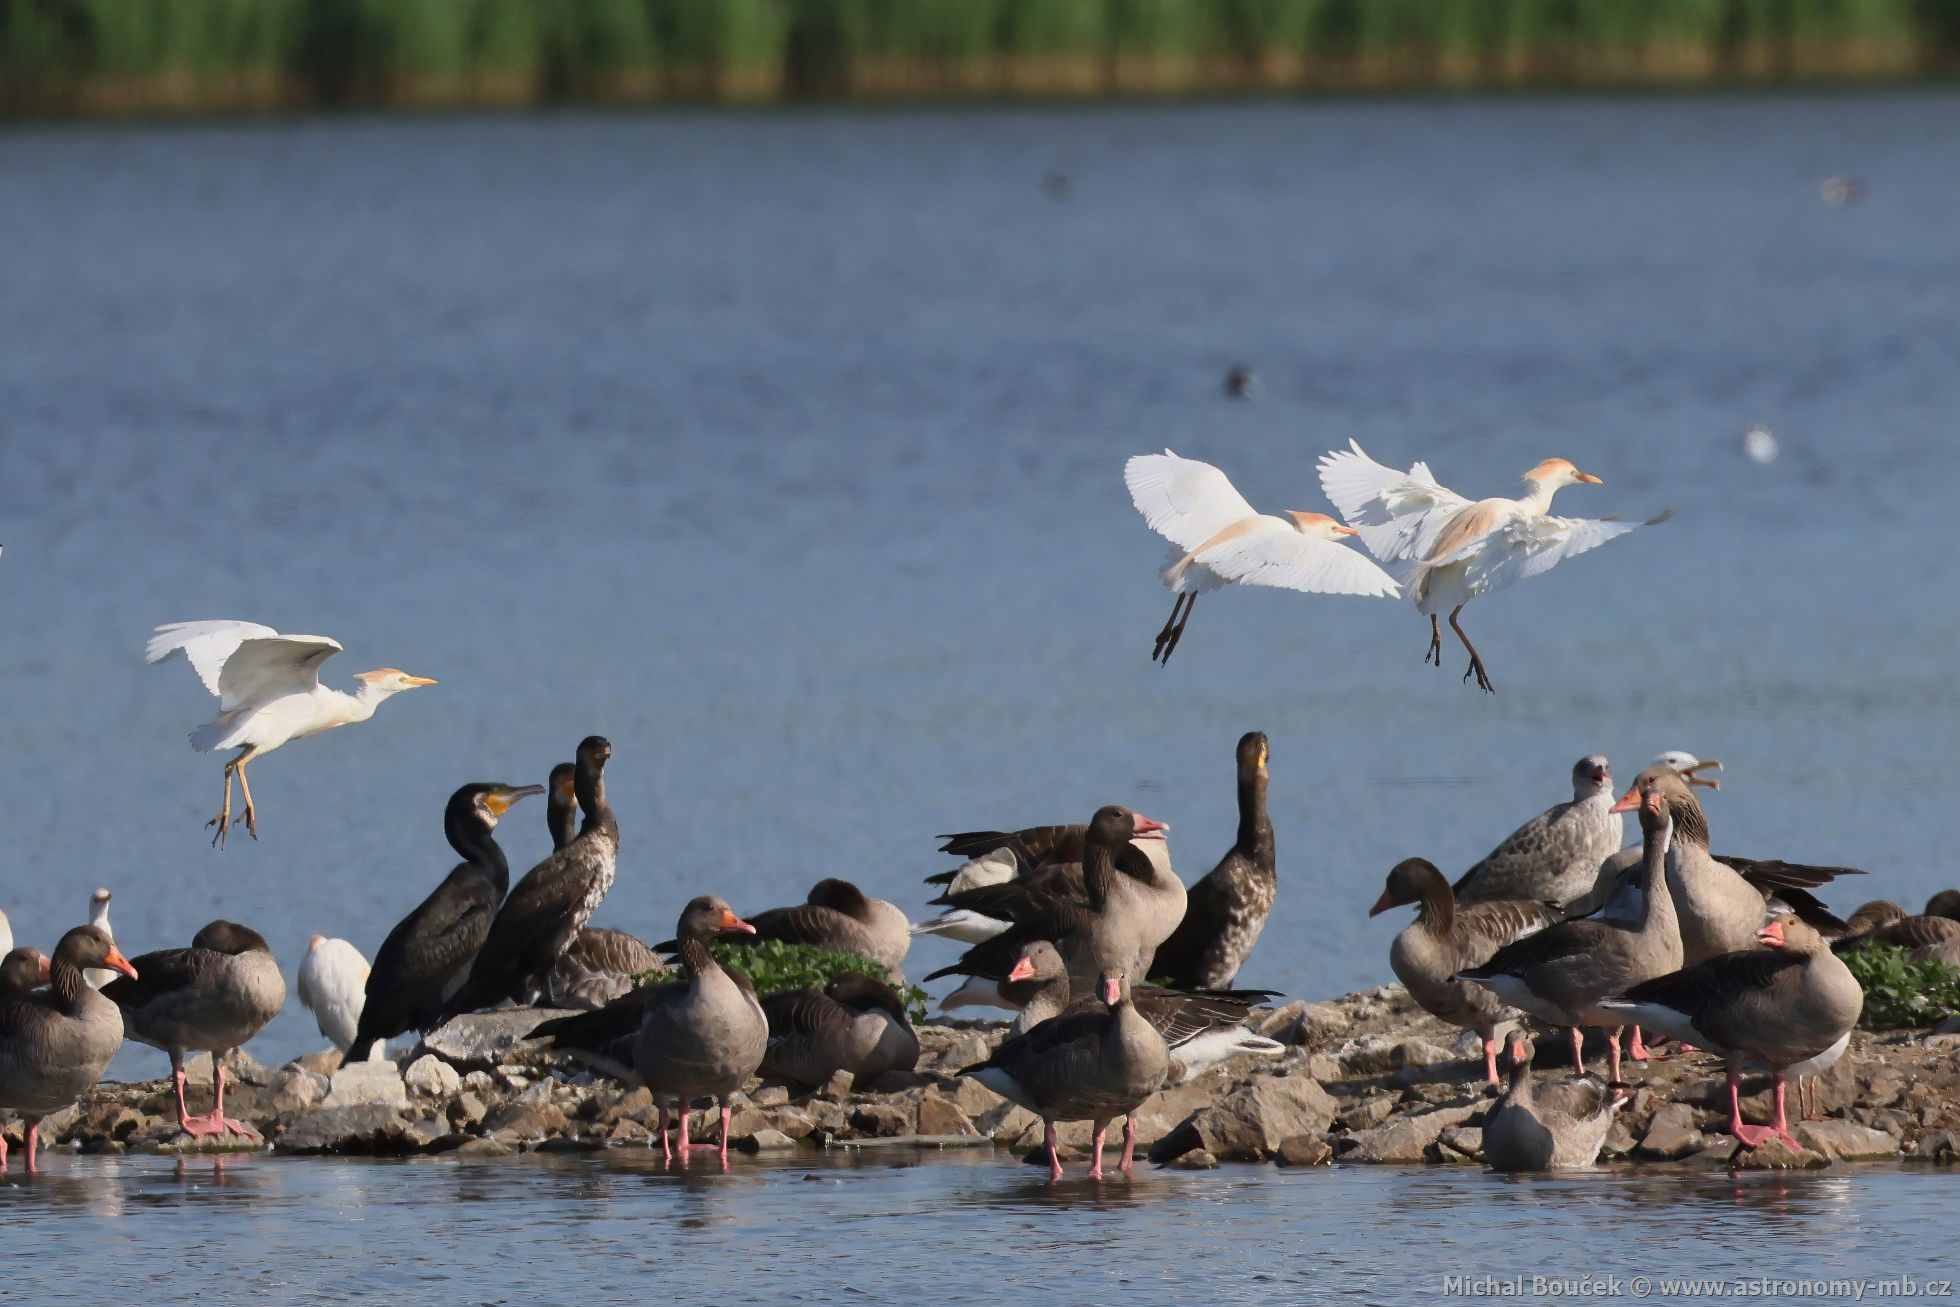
(251, 813)
(1170, 626)
(1167, 642)
(223, 820)
(1435, 652)
(1476, 663)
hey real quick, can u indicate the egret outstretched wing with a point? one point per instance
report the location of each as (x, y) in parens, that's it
(1399, 514)
(1275, 554)
(1182, 499)
(272, 667)
(1530, 545)
(206, 645)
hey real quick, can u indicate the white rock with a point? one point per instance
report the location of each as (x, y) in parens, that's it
(360, 1083)
(429, 1076)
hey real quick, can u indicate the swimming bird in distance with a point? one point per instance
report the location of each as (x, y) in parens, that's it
(269, 693)
(1448, 550)
(1218, 538)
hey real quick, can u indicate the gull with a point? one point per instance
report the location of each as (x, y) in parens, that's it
(1449, 550)
(269, 692)
(1218, 538)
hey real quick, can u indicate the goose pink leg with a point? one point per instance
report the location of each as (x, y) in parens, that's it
(224, 1122)
(726, 1113)
(1095, 1150)
(1578, 1043)
(30, 1129)
(1613, 1056)
(1054, 1157)
(195, 1126)
(1752, 1136)
(666, 1143)
(1490, 1059)
(3, 1154)
(1129, 1163)
(1637, 1049)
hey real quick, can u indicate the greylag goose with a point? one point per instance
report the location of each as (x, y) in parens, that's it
(1552, 1127)
(214, 995)
(1886, 924)
(1201, 1029)
(427, 956)
(854, 1023)
(1448, 937)
(600, 966)
(1128, 909)
(24, 970)
(55, 1043)
(840, 917)
(554, 900)
(1946, 903)
(1093, 1064)
(990, 892)
(332, 985)
(1560, 974)
(704, 1035)
(98, 917)
(1783, 1005)
(1225, 912)
(1556, 855)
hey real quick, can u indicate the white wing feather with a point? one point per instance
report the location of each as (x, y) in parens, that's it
(206, 645)
(1527, 546)
(271, 667)
(1275, 554)
(1184, 500)
(1399, 514)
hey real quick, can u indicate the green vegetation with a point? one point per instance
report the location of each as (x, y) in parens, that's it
(1900, 992)
(775, 966)
(111, 56)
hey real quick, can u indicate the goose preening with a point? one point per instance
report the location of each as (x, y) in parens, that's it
(854, 1023)
(1010, 871)
(214, 995)
(56, 1042)
(1449, 937)
(427, 956)
(840, 917)
(552, 903)
(332, 985)
(1201, 1029)
(1785, 1006)
(1560, 974)
(269, 693)
(1093, 1064)
(1448, 550)
(1128, 907)
(23, 970)
(704, 1035)
(1217, 538)
(1225, 912)
(98, 917)
(1547, 1127)
(600, 966)
(1555, 857)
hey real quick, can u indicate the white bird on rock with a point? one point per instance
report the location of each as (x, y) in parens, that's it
(269, 692)
(1218, 538)
(1449, 550)
(332, 985)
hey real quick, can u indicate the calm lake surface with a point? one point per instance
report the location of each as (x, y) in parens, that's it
(785, 450)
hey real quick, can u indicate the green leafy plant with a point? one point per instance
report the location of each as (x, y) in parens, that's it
(1900, 992)
(775, 966)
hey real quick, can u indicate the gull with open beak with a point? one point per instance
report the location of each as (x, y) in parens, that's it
(1447, 550)
(1218, 539)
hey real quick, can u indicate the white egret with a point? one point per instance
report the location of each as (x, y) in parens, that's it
(332, 985)
(1450, 550)
(98, 917)
(1219, 538)
(269, 692)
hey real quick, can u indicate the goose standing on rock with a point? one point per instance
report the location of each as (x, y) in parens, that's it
(98, 917)
(1547, 1127)
(427, 956)
(1560, 974)
(1201, 1029)
(214, 995)
(1555, 857)
(1218, 538)
(1447, 550)
(854, 1023)
(703, 1035)
(56, 1043)
(1782, 1005)
(1095, 1065)
(269, 694)
(546, 909)
(1448, 937)
(332, 984)
(1225, 912)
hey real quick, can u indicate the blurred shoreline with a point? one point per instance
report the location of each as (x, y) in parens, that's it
(117, 58)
